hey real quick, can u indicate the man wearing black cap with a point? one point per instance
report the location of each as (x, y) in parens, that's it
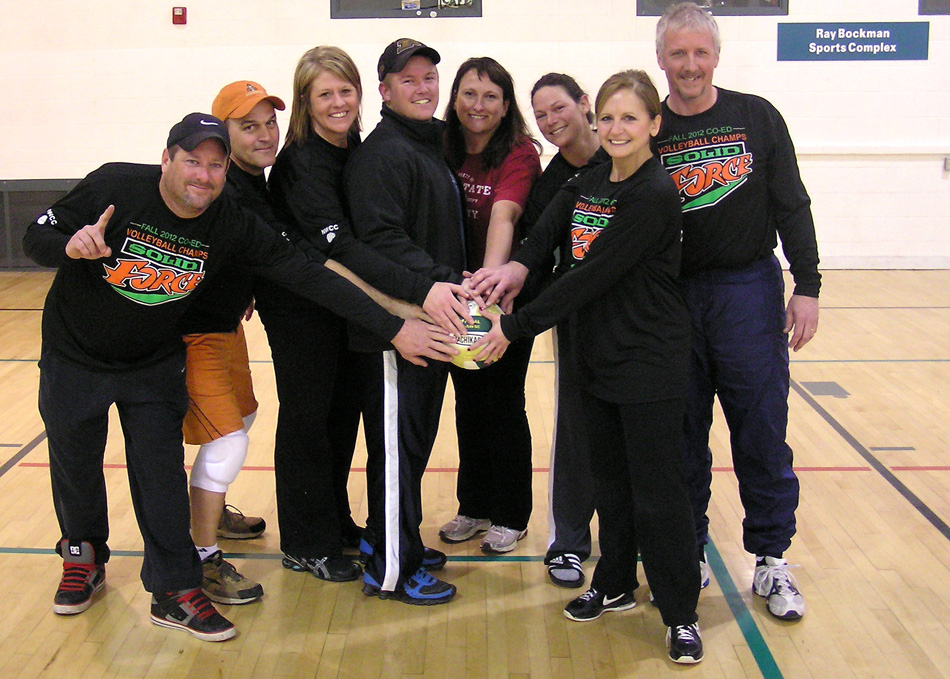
(405, 203)
(111, 335)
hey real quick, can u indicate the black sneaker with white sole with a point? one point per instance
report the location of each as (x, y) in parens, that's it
(82, 578)
(592, 604)
(190, 610)
(329, 568)
(685, 644)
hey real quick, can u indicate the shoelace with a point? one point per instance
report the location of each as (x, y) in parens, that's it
(423, 578)
(227, 569)
(204, 609)
(783, 582)
(232, 514)
(76, 576)
(686, 632)
(589, 594)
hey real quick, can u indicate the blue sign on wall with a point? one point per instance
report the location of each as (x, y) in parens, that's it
(906, 41)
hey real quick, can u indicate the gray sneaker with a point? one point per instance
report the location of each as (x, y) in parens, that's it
(499, 539)
(463, 528)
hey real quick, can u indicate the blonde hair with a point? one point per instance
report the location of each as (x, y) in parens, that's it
(639, 82)
(314, 62)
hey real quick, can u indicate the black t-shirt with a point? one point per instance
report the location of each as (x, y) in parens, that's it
(735, 168)
(124, 311)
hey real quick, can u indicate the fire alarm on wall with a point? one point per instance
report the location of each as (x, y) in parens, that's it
(179, 15)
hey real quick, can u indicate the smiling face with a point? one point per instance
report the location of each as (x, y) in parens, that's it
(192, 180)
(560, 119)
(334, 105)
(414, 91)
(479, 104)
(254, 138)
(689, 58)
(625, 129)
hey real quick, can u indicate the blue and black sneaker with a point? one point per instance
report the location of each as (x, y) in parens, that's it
(432, 559)
(421, 589)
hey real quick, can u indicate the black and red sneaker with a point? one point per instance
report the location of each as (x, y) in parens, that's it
(82, 578)
(191, 610)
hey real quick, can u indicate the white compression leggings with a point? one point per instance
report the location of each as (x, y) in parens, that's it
(218, 462)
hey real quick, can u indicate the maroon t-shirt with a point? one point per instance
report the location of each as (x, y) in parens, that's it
(511, 180)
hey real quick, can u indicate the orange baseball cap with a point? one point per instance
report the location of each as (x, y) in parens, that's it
(237, 99)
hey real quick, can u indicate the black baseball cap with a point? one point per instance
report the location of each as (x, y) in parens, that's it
(195, 128)
(398, 53)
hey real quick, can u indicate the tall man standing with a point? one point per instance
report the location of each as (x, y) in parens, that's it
(733, 162)
(405, 203)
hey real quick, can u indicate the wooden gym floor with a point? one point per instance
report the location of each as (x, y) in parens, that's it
(868, 423)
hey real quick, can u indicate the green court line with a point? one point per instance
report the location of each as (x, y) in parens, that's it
(753, 637)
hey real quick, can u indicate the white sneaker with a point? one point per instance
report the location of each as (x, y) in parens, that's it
(463, 528)
(773, 581)
(500, 539)
(703, 571)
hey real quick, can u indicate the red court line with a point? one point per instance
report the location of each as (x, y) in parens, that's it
(941, 468)
(452, 470)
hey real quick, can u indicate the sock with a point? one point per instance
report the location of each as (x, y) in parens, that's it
(205, 552)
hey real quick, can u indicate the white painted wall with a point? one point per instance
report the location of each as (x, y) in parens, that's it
(89, 82)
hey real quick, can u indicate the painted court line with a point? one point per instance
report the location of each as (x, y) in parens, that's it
(876, 464)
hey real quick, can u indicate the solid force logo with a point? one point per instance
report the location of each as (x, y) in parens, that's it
(152, 275)
(707, 174)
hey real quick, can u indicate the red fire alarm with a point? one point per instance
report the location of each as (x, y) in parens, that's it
(179, 15)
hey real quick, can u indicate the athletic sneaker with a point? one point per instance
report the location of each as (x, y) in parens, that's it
(773, 581)
(592, 604)
(463, 528)
(565, 570)
(685, 644)
(432, 559)
(499, 539)
(329, 568)
(235, 526)
(223, 584)
(82, 578)
(703, 570)
(191, 611)
(422, 589)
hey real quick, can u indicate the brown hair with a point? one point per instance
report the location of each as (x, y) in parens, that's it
(510, 130)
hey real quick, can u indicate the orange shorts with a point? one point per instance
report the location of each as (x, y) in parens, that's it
(219, 385)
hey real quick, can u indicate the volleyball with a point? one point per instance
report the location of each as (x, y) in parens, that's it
(466, 358)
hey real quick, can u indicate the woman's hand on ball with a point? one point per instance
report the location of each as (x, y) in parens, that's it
(501, 283)
(493, 345)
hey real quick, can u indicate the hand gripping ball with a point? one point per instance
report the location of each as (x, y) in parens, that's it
(466, 358)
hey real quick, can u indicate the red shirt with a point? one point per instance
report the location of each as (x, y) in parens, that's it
(511, 180)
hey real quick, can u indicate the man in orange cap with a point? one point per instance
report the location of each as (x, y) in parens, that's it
(222, 404)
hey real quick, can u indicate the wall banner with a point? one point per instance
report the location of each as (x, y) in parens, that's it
(905, 41)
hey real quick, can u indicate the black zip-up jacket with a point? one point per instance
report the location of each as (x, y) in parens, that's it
(405, 202)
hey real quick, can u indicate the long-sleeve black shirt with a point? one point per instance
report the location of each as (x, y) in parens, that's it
(305, 190)
(124, 310)
(618, 299)
(735, 168)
